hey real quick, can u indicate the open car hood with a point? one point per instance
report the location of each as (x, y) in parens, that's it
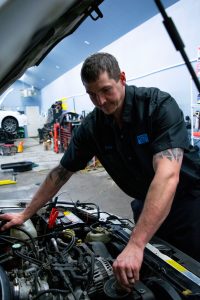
(29, 30)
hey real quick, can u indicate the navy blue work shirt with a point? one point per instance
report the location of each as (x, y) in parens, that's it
(151, 122)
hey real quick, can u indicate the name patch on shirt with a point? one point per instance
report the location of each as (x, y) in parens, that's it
(142, 138)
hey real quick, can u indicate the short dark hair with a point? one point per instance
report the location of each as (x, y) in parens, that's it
(97, 63)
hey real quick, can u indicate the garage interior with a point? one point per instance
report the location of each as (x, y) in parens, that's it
(43, 96)
(42, 108)
(82, 186)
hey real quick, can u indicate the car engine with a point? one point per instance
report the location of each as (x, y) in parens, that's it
(66, 251)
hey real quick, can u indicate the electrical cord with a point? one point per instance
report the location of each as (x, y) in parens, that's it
(60, 202)
(66, 193)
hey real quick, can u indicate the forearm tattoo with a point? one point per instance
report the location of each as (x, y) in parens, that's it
(59, 175)
(171, 154)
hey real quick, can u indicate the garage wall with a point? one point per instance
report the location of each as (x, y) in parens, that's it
(148, 57)
(15, 101)
(68, 85)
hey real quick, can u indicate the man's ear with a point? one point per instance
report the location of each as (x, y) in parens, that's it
(123, 77)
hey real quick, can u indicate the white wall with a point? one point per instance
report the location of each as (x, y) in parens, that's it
(146, 49)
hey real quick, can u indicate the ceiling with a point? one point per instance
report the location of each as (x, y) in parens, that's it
(119, 17)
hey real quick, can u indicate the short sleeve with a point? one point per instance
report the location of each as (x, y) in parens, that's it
(79, 151)
(168, 125)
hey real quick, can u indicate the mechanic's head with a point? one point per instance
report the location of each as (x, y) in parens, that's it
(104, 82)
(98, 63)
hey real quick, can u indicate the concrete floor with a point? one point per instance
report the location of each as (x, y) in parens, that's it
(94, 186)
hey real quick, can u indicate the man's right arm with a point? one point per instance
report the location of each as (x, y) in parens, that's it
(56, 178)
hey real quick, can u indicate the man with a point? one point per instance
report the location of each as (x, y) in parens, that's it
(139, 135)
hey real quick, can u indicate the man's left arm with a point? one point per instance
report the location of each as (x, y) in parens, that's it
(157, 206)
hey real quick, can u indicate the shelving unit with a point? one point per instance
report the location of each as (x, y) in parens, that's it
(195, 119)
(195, 106)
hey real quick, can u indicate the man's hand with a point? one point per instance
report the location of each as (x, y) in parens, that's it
(11, 219)
(127, 265)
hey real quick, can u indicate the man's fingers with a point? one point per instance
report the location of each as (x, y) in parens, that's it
(130, 277)
(124, 276)
(131, 281)
(123, 282)
(137, 275)
(7, 221)
(121, 277)
(4, 217)
(129, 273)
(127, 266)
(6, 226)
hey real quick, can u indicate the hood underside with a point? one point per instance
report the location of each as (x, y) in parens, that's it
(29, 30)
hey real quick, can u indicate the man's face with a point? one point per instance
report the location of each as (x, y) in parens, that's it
(106, 93)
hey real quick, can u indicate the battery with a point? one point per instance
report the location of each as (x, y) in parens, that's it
(67, 217)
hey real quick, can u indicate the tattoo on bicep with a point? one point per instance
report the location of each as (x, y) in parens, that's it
(171, 154)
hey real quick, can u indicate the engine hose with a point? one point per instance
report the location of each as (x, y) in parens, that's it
(80, 253)
(53, 291)
(31, 239)
(69, 246)
(5, 291)
(30, 259)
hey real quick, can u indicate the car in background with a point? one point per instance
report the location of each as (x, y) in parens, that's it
(10, 120)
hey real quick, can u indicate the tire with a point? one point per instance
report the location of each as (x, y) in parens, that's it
(9, 124)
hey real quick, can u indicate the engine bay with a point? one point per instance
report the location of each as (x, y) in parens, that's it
(66, 251)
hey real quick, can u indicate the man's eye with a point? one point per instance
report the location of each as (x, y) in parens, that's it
(107, 90)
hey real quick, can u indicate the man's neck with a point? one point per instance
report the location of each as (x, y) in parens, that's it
(118, 116)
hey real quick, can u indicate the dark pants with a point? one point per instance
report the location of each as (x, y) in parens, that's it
(182, 226)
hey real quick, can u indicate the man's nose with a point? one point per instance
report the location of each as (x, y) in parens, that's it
(101, 100)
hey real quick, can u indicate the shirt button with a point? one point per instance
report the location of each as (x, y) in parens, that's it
(129, 158)
(121, 136)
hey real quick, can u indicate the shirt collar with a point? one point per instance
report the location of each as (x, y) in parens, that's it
(128, 103)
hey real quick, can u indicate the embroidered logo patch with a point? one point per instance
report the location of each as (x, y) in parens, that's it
(108, 147)
(143, 138)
